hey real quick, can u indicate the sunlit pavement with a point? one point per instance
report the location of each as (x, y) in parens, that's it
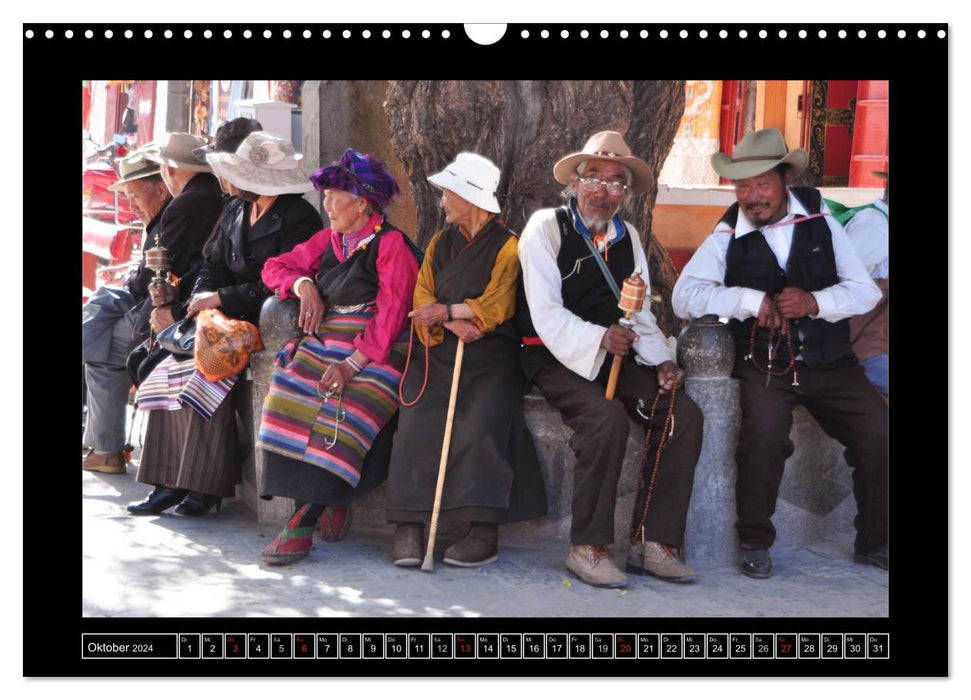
(169, 566)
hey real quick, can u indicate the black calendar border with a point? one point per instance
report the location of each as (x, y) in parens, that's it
(918, 70)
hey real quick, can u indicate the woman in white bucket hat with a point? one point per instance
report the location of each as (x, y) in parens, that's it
(466, 291)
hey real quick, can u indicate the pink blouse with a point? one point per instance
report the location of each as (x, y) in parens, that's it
(397, 273)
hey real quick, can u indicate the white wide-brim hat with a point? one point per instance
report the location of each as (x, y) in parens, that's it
(758, 152)
(264, 164)
(472, 177)
(606, 145)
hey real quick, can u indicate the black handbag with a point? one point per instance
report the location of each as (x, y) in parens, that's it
(179, 338)
(142, 360)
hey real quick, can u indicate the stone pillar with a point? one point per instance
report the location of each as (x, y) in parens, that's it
(278, 323)
(706, 352)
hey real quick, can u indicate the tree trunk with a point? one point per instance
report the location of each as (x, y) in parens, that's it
(525, 127)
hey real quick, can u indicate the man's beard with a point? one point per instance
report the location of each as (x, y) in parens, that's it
(594, 223)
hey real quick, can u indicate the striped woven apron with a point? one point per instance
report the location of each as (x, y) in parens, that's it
(297, 422)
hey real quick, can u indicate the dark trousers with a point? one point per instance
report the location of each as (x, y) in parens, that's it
(600, 438)
(847, 408)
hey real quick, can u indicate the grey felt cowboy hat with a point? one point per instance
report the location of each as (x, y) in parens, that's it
(176, 152)
(758, 152)
(135, 166)
(606, 145)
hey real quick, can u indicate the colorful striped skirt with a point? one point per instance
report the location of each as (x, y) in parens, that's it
(332, 434)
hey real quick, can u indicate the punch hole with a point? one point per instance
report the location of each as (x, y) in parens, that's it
(684, 34)
(486, 34)
(763, 34)
(545, 34)
(584, 34)
(565, 34)
(386, 34)
(29, 34)
(307, 33)
(109, 33)
(901, 34)
(168, 33)
(425, 34)
(88, 34)
(267, 33)
(50, 34)
(841, 34)
(524, 34)
(346, 34)
(287, 33)
(882, 34)
(406, 34)
(643, 34)
(623, 33)
(366, 33)
(187, 33)
(723, 34)
(148, 34)
(663, 34)
(822, 33)
(247, 34)
(69, 34)
(921, 34)
(446, 34)
(803, 34)
(227, 34)
(861, 33)
(703, 33)
(742, 34)
(326, 34)
(207, 34)
(941, 34)
(783, 33)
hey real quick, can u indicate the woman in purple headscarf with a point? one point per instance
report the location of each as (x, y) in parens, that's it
(332, 404)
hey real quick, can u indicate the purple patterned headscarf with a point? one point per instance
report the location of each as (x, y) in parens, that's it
(360, 173)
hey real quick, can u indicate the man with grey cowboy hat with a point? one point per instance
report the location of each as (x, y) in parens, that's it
(572, 259)
(785, 274)
(187, 222)
(110, 325)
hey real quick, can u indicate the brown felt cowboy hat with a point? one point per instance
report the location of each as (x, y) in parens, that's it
(176, 152)
(758, 152)
(135, 166)
(606, 145)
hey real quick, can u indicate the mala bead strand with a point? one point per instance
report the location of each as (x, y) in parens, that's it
(782, 333)
(666, 431)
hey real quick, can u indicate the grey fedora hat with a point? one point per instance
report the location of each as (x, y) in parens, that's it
(758, 152)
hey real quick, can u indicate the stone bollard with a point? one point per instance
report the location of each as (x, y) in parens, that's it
(278, 324)
(706, 353)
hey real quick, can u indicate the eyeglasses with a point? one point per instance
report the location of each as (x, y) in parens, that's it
(614, 188)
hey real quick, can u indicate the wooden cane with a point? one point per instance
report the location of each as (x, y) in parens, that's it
(429, 563)
(631, 301)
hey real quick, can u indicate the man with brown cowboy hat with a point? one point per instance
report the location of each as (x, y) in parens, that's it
(109, 324)
(573, 258)
(784, 273)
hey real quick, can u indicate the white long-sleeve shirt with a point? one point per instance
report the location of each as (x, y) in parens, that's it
(701, 287)
(869, 231)
(571, 340)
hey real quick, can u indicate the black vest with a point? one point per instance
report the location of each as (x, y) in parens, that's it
(354, 281)
(584, 290)
(751, 263)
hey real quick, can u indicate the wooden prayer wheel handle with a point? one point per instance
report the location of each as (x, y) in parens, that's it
(615, 365)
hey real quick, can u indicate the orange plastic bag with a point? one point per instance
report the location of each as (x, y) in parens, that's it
(223, 345)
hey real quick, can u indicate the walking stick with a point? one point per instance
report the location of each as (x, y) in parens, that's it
(429, 563)
(631, 301)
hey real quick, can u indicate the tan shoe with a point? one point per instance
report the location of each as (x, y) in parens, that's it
(591, 563)
(479, 547)
(111, 463)
(658, 560)
(406, 547)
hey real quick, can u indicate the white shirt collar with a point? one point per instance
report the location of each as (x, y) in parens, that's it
(743, 225)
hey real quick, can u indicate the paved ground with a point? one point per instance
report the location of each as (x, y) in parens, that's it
(168, 566)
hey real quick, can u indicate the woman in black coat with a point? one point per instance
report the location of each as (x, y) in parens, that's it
(191, 452)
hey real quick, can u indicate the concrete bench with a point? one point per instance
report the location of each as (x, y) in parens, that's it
(815, 499)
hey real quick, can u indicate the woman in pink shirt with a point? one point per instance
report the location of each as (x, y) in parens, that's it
(332, 404)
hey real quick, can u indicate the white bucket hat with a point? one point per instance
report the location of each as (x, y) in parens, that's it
(758, 152)
(263, 164)
(473, 178)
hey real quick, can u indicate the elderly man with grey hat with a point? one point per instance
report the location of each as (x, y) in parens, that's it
(574, 259)
(465, 296)
(785, 274)
(110, 326)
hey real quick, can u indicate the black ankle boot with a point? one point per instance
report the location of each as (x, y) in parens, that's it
(198, 504)
(160, 499)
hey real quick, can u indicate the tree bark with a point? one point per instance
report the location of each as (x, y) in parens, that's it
(525, 127)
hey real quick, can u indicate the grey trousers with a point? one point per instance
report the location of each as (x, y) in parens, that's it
(108, 385)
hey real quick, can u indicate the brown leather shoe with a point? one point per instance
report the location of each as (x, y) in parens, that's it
(656, 559)
(479, 547)
(406, 547)
(111, 463)
(591, 563)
